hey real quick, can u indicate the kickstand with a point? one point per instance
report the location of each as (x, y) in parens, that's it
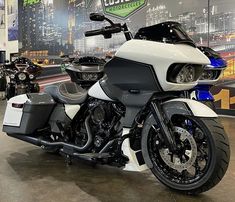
(68, 160)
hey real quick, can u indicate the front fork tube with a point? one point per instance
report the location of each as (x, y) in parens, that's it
(166, 129)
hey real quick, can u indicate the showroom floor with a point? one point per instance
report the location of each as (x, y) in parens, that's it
(28, 174)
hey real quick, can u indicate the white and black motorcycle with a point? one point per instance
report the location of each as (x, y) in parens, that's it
(133, 118)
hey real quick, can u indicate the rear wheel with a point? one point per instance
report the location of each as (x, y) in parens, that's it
(201, 159)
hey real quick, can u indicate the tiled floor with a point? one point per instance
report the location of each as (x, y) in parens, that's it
(28, 174)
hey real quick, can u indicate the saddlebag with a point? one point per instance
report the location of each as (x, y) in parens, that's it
(27, 113)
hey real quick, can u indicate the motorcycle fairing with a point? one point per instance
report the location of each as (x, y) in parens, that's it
(161, 56)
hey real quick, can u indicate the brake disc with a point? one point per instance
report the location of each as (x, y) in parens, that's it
(173, 160)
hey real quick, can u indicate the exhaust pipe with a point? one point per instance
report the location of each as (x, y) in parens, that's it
(40, 142)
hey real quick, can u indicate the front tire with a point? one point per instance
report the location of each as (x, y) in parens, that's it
(210, 104)
(212, 152)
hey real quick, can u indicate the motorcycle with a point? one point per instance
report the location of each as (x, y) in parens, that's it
(22, 74)
(3, 82)
(133, 117)
(84, 71)
(210, 77)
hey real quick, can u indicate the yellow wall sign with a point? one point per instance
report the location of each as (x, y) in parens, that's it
(224, 97)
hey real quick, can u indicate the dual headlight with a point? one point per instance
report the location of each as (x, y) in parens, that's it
(23, 76)
(184, 73)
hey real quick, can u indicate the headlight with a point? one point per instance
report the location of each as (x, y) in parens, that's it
(210, 74)
(12, 76)
(89, 76)
(22, 76)
(184, 73)
(31, 76)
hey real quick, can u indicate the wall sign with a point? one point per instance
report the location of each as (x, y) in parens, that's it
(224, 97)
(30, 2)
(122, 8)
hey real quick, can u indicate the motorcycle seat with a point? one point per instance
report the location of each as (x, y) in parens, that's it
(67, 93)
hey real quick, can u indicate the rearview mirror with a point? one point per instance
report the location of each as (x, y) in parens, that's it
(97, 17)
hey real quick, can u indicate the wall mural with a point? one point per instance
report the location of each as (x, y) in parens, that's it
(50, 28)
(2, 14)
(12, 12)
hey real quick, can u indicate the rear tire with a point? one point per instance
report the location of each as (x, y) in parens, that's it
(216, 164)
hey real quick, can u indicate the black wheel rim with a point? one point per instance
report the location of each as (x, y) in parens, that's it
(200, 166)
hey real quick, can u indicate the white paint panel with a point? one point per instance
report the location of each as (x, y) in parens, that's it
(198, 109)
(13, 115)
(133, 164)
(97, 92)
(71, 110)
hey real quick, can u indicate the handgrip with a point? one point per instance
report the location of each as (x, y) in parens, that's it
(93, 32)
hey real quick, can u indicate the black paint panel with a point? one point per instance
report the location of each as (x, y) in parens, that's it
(131, 75)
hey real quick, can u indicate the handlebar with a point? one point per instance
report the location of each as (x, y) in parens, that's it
(94, 32)
(109, 30)
(106, 31)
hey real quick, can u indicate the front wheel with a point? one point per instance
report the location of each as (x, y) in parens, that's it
(200, 160)
(210, 104)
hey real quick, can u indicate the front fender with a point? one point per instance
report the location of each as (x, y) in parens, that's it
(189, 107)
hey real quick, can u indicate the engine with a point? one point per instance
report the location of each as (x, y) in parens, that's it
(105, 122)
(102, 122)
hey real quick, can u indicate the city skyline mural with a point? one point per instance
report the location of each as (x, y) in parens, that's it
(12, 12)
(2, 14)
(53, 28)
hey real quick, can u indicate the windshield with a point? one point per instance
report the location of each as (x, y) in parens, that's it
(167, 32)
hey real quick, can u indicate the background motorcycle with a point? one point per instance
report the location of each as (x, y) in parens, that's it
(134, 117)
(3, 82)
(84, 71)
(22, 74)
(210, 77)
